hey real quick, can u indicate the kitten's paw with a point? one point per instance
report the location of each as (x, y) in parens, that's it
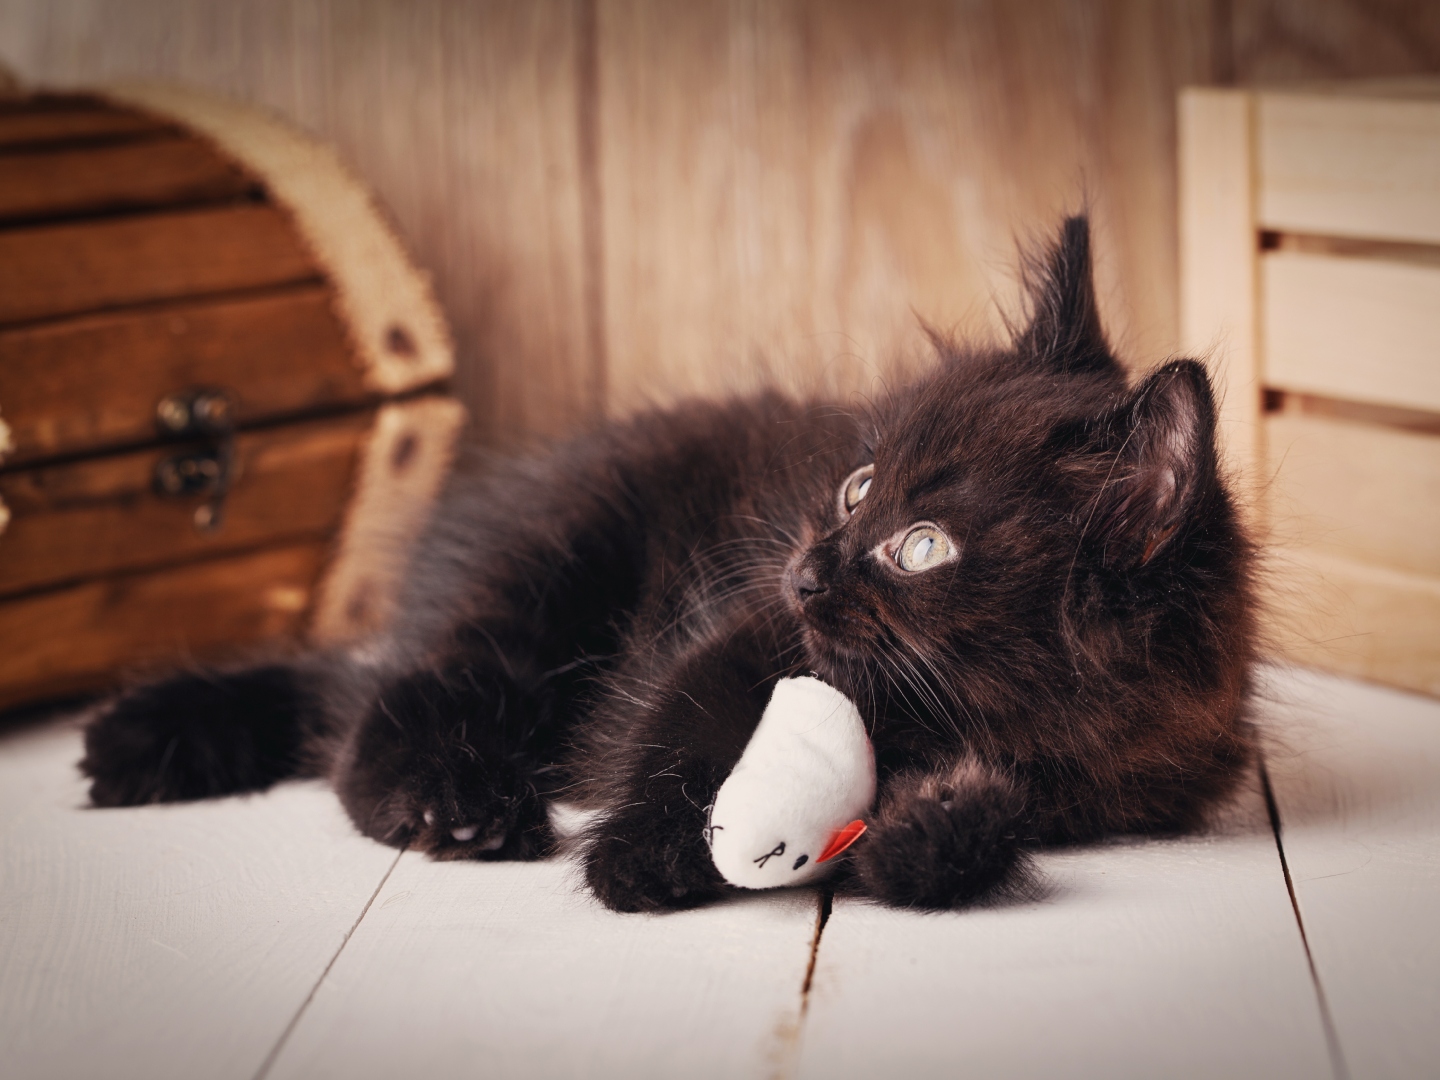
(944, 841)
(642, 860)
(456, 809)
(194, 736)
(413, 780)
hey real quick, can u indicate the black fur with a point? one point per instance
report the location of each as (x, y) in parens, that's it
(605, 623)
(196, 736)
(941, 840)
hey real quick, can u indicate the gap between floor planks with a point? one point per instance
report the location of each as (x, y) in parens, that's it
(788, 1040)
(789, 1035)
(788, 1053)
(1355, 770)
(1332, 1037)
(269, 1061)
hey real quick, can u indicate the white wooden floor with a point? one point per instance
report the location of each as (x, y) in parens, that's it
(260, 936)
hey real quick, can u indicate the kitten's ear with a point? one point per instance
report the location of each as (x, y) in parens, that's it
(1163, 444)
(1064, 332)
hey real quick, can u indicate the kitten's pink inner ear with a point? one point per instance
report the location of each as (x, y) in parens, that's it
(842, 839)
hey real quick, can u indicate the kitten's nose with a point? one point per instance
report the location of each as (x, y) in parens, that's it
(804, 583)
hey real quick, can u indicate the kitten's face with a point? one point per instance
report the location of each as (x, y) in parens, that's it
(931, 552)
(1021, 520)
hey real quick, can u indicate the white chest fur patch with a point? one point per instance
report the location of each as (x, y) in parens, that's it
(808, 771)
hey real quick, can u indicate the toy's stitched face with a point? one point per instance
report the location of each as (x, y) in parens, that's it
(795, 798)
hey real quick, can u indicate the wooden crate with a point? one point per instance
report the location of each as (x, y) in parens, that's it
(1310, 274)
(220, 411)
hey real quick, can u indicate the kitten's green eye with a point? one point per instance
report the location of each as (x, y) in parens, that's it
(923, 547)
(855, 488)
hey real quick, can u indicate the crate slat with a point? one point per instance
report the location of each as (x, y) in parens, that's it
(1363, 329)
(1340, 165)
(59, 396)
(1356, 490)
(1217, 266)
(1343, 615)
(54, 270)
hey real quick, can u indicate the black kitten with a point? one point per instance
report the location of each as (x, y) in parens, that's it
(1029, 576)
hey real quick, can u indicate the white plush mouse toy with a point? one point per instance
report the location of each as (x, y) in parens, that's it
(797, 795)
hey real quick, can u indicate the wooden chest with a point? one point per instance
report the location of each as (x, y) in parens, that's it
(1310, 237)
(219, 405)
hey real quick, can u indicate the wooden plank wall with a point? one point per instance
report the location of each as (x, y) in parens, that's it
(622, 200)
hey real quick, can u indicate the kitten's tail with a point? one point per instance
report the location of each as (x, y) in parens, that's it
(947, 839)
(198, 735)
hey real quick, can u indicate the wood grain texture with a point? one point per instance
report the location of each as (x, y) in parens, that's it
(771, 188)
(1348, 165)
(1358, 789)
(58, 397)
(1275, 41)
(165, 941)
(100, 179)
(96, 517)
(1218, 275)
(1364, 329)
(553, 985)
(779, 185)
(398, 333)
(789, 189)
(1361, 491)
(182, 940)
(1146, 958)
(462, 117)
(53, 270)
(84, 638)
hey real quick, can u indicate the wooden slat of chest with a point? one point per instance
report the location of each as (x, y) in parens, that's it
(54, 270)
(95, 517)
(73, 640)
(166, 171)
(280, 353)
(70, 118)
(147, 257)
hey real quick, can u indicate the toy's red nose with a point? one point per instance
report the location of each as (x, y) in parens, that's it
(842, 839)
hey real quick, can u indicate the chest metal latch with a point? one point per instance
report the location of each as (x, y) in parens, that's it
(207, 413)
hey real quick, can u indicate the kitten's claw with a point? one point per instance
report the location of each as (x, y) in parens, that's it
(450, 820)
(504, 829)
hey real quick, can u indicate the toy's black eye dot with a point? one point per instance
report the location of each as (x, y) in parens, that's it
(801, 861)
